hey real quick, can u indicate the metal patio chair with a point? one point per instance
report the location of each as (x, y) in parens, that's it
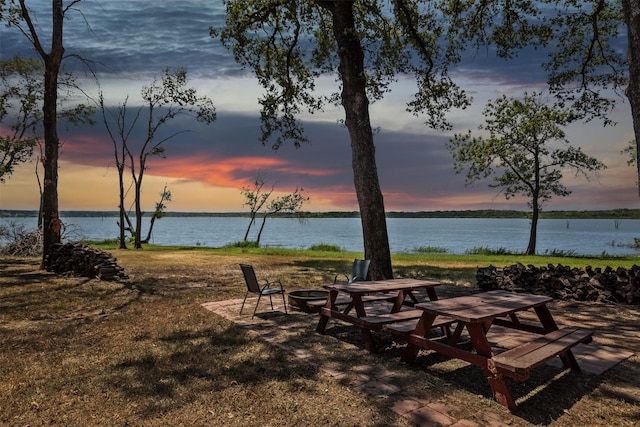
(253, 287)
(359, 271)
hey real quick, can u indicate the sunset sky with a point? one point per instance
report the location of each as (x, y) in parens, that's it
(205, 169)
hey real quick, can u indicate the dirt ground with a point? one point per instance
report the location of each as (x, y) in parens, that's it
(144, 352)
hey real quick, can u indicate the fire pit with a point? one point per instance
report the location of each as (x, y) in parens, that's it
(298, 299)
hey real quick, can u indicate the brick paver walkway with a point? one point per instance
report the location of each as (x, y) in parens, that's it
(593, 359)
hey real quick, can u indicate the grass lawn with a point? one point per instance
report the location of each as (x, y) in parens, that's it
(77, 351)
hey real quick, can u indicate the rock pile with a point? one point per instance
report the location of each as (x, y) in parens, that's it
(620, 285)
(82, 260)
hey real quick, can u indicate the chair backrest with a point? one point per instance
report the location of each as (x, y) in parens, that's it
(250, 278)
(359, 270)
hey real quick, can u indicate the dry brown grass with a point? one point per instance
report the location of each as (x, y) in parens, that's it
(79, 352)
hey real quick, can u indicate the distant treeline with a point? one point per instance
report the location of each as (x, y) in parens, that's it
(483, 213)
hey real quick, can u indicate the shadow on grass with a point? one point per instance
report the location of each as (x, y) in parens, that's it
(22, 272)
(190, 364)
(324, 266)
(462, 275)
(30, 294)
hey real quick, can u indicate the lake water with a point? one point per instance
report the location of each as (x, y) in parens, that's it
(456, 235)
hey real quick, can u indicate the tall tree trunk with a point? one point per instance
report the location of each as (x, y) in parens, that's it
(632, 19)
(137, 237)
(121, 225)
(533, 232)
(51, 218)
(357, 121)
(251, 222)
(264, 220)
(137, 188)
(535, 204)
(151, 223)
(158, 213)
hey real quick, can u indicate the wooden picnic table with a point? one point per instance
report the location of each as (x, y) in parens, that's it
(397, 291)
(477, 313)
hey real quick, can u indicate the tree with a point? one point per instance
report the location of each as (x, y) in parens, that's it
(165, 197)
(16, 14)
(288, 44)
(524, 152)
(164, 99)
(631, 152)
(255, 198)
(20, 102)
(120, 155)
(588, 60)
(585, 46)
(288, 203)
(631, 10)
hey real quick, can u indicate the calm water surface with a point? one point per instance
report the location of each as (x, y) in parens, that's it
(456, 235)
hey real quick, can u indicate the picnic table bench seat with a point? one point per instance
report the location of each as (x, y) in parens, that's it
(346, 300)
(403, 329)
(518, 361)
(375, 323)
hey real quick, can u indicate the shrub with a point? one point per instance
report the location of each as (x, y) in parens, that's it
(560, 253)
(243, 244)
(103, 242)
(430, 250)
(483, 250)
(325, 247)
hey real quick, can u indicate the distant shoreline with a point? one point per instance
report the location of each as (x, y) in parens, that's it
(482, 213)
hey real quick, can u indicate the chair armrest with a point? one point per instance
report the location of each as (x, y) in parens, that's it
(272, 284)
(338, 275)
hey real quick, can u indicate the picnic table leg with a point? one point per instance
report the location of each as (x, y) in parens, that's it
(367, 338)
(348, 308)
(455, 337)
(322, 323)
(404, 295)
(433, 296)
(549, 325)
(410, 353)
(501, 391)
(422, 329)
(356, 300)
(413, 300)
(397, 305)
(324, 319)
(546, 318)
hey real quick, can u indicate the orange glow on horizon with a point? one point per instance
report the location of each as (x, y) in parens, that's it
(95, 188)
(200, 184)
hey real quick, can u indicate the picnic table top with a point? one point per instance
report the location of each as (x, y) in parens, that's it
(483, 306)
(380, 285)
